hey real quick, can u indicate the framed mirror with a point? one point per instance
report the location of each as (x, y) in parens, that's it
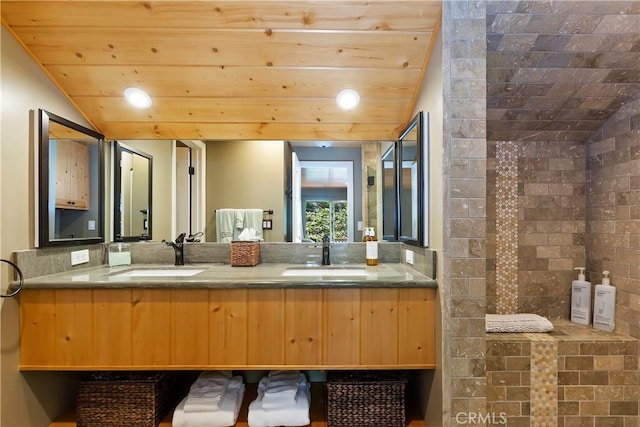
(132, 190)
(389, 194)
(412, 174)
(70, 183)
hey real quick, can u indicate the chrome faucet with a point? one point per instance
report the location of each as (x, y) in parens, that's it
(178, 248)
(325, 250)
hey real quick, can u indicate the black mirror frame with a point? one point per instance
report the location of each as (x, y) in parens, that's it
(420, 122)
(118, 148)
(44, 118)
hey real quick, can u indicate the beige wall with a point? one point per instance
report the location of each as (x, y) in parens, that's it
(162, 217)
(246, 174)
(26, 400)
(430, 102)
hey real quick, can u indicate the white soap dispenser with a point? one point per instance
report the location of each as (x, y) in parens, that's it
(604, 306)
(580, 299)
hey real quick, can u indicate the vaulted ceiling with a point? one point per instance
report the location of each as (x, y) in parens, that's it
(557, 70)
(234, 69)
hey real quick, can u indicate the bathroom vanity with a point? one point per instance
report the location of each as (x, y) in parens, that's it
(214, 316)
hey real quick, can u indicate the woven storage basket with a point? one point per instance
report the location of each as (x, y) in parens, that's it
(367, 399)
(124, 399)
(245, 254)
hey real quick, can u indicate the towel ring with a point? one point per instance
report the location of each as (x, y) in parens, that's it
(20, 278)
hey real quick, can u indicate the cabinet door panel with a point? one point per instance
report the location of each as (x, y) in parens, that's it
(74, 327)
(112, 327)
(379, 329)
(342, 327)
(151, 327)
(228, 327)
(190, 327)
(266, 329)
(37, 327)
(303, 330)
(416, 329)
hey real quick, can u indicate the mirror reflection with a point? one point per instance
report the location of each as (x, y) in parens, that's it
(131, 193)
(409, 184)
(71, 182)
(389, 223)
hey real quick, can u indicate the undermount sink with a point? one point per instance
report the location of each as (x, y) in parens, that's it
(159, 272)
(325, 271)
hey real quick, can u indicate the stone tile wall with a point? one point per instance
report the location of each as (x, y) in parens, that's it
(613, 211)
(572, 377)
(540, 248)
(463, 286)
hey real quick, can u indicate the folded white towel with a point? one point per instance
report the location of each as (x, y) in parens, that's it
(521, 322)
(284, 375)
(292, 415)
(226, 414)
(281, 390)
(206, 393)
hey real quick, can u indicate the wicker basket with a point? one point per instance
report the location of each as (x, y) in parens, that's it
(367, 399)
(124, 399)
(245, 254)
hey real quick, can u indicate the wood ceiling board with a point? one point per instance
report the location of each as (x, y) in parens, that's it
(250, 131)
(241, 69)
(242, 110)
(376, 15)
(102, 46)
(200, 81)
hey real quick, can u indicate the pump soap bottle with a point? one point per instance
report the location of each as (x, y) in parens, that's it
(580, 299)
(371, 246)
(604, 306)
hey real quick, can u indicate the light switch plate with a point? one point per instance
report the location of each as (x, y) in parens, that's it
(408, 256)
(80, 257)
(91, 225)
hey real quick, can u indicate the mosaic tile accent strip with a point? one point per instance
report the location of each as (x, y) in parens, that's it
(544, 380)
(506, 227)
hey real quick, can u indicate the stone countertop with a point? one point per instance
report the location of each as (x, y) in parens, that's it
(223, 276)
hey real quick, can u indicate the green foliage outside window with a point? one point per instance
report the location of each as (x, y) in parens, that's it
(326, 217)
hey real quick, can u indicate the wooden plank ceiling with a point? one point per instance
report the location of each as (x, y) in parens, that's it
(235, 69)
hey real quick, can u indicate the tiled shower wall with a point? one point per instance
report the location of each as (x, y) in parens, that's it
(613, 211)
(536, 218)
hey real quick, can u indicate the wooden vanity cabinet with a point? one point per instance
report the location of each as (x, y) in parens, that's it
(72, 175)
(295, 328)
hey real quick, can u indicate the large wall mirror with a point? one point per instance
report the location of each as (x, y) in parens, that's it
(413, 189)
(70, 183)
(132, 180)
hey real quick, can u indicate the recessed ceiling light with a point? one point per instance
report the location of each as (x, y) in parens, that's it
(137, 97)
(348, 99)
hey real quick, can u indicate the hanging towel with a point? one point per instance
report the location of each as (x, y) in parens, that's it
(253, 219)
(225, 225)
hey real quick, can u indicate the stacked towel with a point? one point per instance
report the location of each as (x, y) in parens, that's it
(284, 399)
(213, 400)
